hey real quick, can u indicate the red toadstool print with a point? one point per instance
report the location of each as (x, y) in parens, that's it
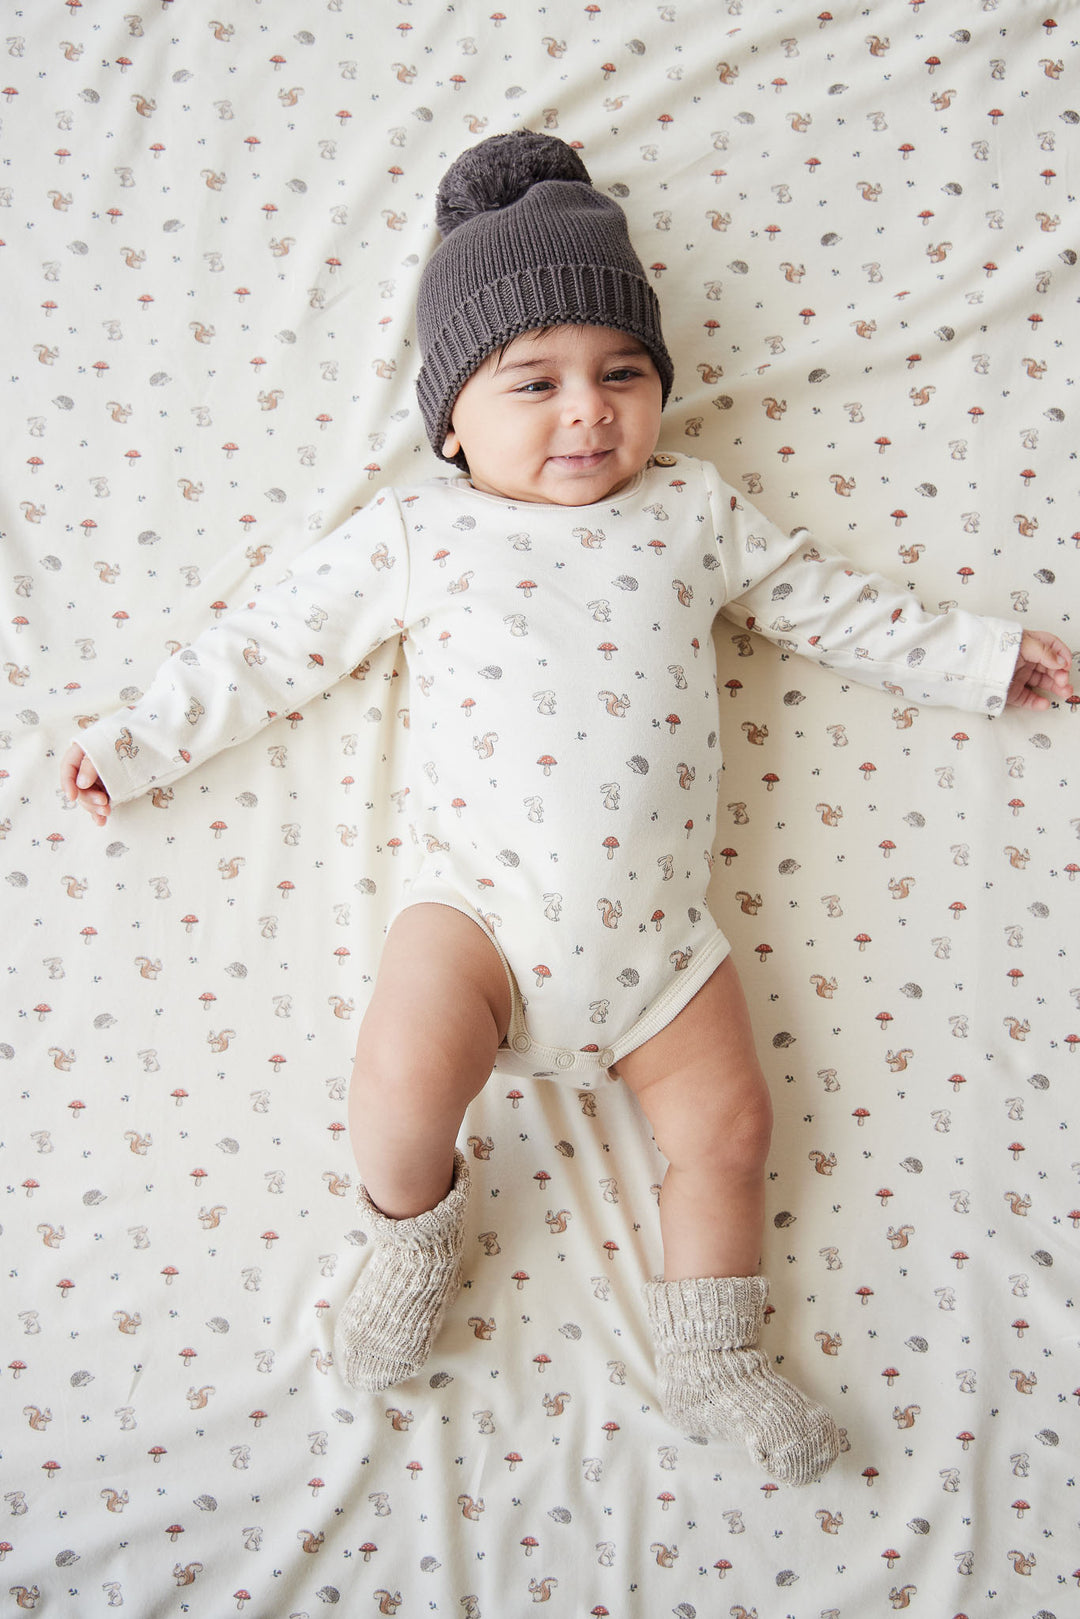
(291, 620)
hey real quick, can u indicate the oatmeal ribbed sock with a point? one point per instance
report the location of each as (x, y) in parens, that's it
(389, 1322)
(715, 1381)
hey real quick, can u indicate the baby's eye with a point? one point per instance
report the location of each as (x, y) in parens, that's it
(533, 387)
(622, 373)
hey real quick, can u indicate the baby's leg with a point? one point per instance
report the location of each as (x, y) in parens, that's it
(702, 1090)
(426, 1047)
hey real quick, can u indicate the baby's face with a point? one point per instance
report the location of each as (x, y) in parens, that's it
(564, 417)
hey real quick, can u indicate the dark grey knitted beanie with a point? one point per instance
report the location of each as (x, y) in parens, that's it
(527, 243)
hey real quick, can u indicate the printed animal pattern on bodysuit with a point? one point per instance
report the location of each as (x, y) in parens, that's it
(564, 730)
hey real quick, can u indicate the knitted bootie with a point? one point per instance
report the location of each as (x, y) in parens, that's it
(713, 1379)
(389, 1322)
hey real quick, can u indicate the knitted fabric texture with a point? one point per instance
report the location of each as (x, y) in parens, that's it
(527, 243)
(390, 1320)
(715, 1381)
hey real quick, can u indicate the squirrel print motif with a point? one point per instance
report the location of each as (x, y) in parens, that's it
(503, 628)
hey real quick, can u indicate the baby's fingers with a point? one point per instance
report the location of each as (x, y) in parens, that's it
(97, 803)
(69, 769)
(1046, 651)
(82, 784)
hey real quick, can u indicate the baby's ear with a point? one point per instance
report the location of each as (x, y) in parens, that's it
(451, 445)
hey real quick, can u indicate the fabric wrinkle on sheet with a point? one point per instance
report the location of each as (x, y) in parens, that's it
(563, 715)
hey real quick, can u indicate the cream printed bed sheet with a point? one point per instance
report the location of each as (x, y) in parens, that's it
(863, 227)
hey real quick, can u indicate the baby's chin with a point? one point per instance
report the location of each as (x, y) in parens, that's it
(565, 486)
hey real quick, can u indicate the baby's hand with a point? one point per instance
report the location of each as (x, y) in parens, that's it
(1042, 667)
(82, 784)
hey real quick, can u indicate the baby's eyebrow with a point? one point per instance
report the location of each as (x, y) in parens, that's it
(539, 361)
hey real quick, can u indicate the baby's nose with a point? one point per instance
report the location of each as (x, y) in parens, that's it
(586, 403)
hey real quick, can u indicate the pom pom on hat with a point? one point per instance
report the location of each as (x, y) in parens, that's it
(499, 171)
(527, 242)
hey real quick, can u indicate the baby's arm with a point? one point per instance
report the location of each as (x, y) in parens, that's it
(82, 784)
(1042, 666)
(344, 596)
(810, 599)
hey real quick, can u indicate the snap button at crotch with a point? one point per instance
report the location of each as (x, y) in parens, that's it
(521, 1042)
(565, 1059)
(606, 1057)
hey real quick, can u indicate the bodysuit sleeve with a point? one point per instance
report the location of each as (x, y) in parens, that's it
(809, 599)
(343, 597)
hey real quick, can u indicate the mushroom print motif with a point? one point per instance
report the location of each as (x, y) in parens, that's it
(857, 224)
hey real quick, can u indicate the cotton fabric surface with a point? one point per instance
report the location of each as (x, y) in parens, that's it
(860, 229)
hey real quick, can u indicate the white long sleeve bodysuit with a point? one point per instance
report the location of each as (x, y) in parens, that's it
(564, 752)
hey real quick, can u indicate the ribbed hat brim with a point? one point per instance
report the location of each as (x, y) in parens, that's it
(548, 295)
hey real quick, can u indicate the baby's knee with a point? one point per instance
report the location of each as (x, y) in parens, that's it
(728, 1137)
(402, 1066)
(736, 1135)
(753, 1136)
(386, 1064)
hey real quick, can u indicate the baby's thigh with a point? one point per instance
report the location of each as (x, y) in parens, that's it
(699, 1079)
(441, 993)
(711, 1033)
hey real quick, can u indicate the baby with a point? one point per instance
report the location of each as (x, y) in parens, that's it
(556, 601)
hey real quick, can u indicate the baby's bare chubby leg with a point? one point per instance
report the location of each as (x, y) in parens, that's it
(702, 1090)
(426, 1048)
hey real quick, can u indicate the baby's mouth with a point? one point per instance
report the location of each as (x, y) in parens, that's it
(583, 461)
